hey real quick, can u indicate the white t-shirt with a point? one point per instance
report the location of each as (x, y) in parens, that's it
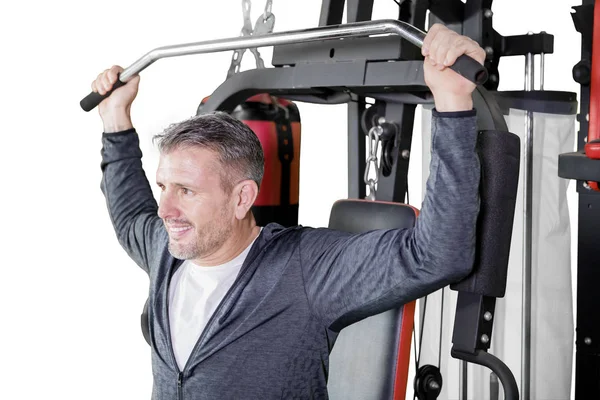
(194, 294)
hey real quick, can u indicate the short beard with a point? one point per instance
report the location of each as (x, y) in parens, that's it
(211, 237)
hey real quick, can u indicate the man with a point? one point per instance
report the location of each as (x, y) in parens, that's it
(239, 311)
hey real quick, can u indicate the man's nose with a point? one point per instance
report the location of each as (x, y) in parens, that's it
(167, 207)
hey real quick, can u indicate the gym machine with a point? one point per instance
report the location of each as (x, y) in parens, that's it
(314, 65)
(371, 75)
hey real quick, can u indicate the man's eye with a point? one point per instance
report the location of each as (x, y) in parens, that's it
(186, 191)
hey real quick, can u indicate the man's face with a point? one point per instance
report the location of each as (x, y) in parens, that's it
(197, 213)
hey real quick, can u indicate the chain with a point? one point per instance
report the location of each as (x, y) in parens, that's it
(236, 58)
(263, 25)
(372, 160)
(268, 8)
(246, 12)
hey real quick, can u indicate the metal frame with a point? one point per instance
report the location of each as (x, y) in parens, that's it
(577, 166)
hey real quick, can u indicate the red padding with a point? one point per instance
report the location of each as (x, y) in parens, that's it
(404, 344)
(270, 191)
(267, 99)
(403, 361)
(269, 194)
(592, 148)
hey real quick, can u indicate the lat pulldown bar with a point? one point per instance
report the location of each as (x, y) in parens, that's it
(464, 65)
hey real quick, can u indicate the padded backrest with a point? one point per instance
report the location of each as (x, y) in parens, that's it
(370, 358)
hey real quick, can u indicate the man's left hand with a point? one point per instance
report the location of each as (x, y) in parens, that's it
(441, 48)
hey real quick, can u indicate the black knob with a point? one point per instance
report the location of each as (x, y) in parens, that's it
(581, 72)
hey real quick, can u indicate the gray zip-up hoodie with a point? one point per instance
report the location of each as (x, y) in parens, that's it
(271, 335)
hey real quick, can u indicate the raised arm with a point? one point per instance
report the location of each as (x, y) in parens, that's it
(131, 205)
(350, 277)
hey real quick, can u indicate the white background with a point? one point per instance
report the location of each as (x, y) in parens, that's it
(70, 298)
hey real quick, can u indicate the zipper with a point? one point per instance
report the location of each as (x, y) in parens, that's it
(168, 330)
(227, 296)
(179, 386)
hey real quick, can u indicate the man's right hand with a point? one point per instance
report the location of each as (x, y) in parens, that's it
(115, 109)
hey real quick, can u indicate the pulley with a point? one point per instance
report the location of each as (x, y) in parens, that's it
(428, 382)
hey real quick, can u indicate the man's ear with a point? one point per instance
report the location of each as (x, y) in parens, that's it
(245, 196)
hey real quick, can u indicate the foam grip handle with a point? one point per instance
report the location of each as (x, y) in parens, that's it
(592, 149)
(90, 101)
(470, 69)
(499, 154)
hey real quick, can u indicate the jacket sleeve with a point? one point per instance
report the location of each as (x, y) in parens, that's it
(349, 277)
(131, 204)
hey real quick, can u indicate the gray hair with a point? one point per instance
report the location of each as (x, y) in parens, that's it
(238, 149)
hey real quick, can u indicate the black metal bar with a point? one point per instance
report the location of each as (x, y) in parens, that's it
(472, 335)
(473, 20)
(478, 25)
(372, 49)
(521, 45)
(583, 19)
(539, 101)
(377, 74)
(413, 12)
(393, 183)
(480, 357)
(328, 83)
(451, 23)
(587, 376)
(393, 187)
(470, 324)
(332, 12)
(578, 166)
(448, 12)
(356, 150)
(359, 10)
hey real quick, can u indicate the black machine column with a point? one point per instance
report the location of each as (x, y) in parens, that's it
(578, 166)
